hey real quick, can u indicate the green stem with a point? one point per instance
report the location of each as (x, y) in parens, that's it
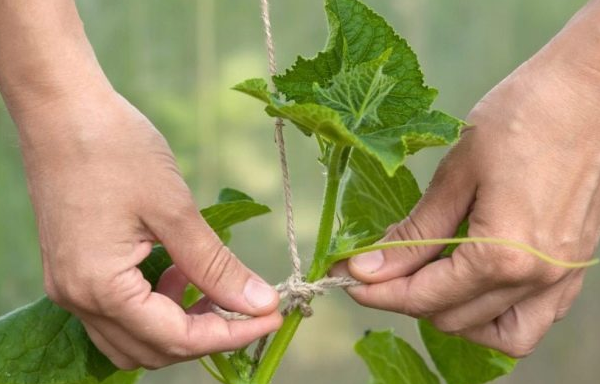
(274, 354)
(224, 366)
(335, 171)
(334, 258)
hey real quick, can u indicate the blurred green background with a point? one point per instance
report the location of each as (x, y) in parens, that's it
(176, 61)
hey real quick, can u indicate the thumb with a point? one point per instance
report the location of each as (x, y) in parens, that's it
(438, 214)
(207, 263)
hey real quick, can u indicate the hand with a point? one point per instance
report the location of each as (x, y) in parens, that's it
(105, 187)
(528, 169)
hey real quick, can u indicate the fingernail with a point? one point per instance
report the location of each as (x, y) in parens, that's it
(258, 293)
(369, 262)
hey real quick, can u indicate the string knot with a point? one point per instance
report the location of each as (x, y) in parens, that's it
(297, 293)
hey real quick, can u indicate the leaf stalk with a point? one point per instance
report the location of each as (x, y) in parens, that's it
(226, 369)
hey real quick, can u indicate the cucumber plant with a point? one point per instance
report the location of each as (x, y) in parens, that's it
(364, 101)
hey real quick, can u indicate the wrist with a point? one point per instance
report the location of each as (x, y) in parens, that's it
(576, 49)
(71, 126)
(44, 54)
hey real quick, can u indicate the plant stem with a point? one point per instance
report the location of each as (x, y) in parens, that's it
(335, 171)
(224, 366)
(333, 258)
(318, 269)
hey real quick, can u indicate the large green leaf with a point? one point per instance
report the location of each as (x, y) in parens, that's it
(42, 343)
(462, 362)
(371, 200)
(391, 360)
(359, 35)
(365, 36)
(365, 90)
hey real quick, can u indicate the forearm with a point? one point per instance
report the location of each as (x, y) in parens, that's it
(577, 46)
(44, 53)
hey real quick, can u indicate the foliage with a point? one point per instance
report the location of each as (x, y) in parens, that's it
(392, 360)
(461, 362)
(365, 91)
(365, 101)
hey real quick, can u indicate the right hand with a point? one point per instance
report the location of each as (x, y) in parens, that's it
(105, 188)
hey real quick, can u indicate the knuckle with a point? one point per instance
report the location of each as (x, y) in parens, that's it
(407, 229)
(220, 266)
(519, 350)
(550, 275)
(179, 352)
(104, 295)
(52, 292)
(416, 307)
(73, 293)
(182, 347)
(561, 313)
(177, 214)
(513, 266)
(446, 324)
(474, 261)
(152, 365)
(109, 296)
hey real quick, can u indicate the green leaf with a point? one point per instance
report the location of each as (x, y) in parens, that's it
(190, 296)
(230, 195)
(357, 94)
(314, 118)
(365, 36)
(233, 207)
(391, 360)
(359, 35)
(310, 118)
(388, 146)
(371, 200)
(298, 82)
(43, 343)
(154, 265)
(391, 146)
(427, 130)
(365, 90)
(462, 362)
(256, 88)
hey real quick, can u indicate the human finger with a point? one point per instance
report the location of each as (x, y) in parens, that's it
(438, 214)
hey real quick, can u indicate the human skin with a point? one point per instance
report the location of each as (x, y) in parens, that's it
(105, 187)
(527, 169)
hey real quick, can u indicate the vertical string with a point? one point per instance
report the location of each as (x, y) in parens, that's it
(296, 275)
(279, 140)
